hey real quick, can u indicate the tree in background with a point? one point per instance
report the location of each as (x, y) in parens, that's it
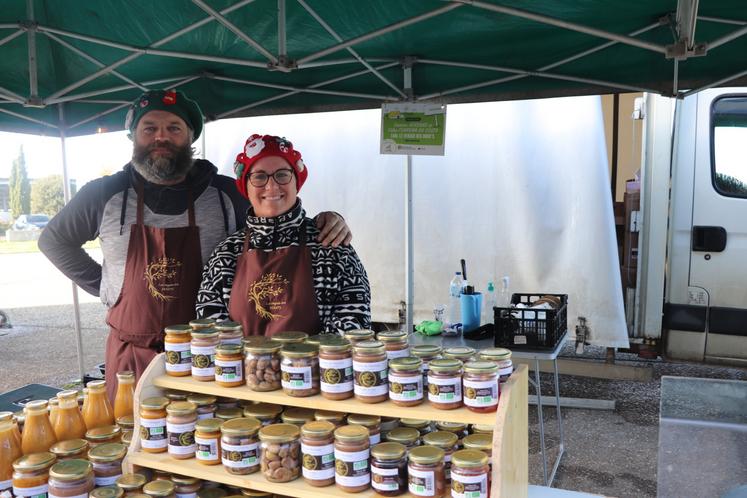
(20, 188)
(47, 196)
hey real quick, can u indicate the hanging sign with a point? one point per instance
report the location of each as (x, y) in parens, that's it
(410, 128)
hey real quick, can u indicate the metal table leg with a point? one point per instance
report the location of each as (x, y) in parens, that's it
(538, 389)
(561, 447)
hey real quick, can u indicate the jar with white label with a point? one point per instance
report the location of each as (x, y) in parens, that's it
(426, 352)
(229, 365)
(336, 367)
(370, 372)
(352, 455)
(229, 333)
(180, 427)
(445, 384)
(389, 469)
(395, 342)
(318, 453)
(266, 413)
(300, 369)
(206, 405)
(178, 355)
(458, 428)
(405, 381)
(480, 386)
(406, 436)
(71, 479)
(239, 445)
(502, 357)
(153, 438)
(447, 441)
(262, 364)
(204, 342)
(280, 452)
(207, 439)
(107, 462)
(297, 416)
(31, 474)
(370, 422)
(186, 487)
(421, 425)
(335, 418)
(469, 474)
(425, 472)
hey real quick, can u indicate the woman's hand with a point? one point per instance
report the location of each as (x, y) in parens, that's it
(334, 230)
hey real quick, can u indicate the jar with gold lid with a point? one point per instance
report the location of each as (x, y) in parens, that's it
(482, 442)
(31, 474)
(318, 453)
(297, 416)
(174, 395)
(160, 489)
(425, 471)
(229, 365)
(289, 337)
(315, 339)
(370, 422)
(426, 352)
(335, 418)
(186, 487)
(107, 462)
(445, 384)
(447, 441)
(405, 381)
(112, 492)
(203, 344)
(206, 405)
(266, 413)
(104, 434)
(207, 439)
(389, 469)
(239, 445)
(336, 368)
(153, 436)
(299, 366)
(72, 448)
(280, 452)
(389, 423)
(177, 351)
(461, 353)
(180, 427)
(480, 386)
(71, 478)
(229, 413)
(254, 493)
(202, 323)
(423, 426)
(359, 335)
(470, 474)
(395, 343)
(131, 483)
(352, 458)
(68, 422)
(502, 357)
(229, 332)
(262, 365)
(370, 372)
(406, 436)
(481, 429)
(458, 428)
(38, 435)
(126, 422)
(224, 402)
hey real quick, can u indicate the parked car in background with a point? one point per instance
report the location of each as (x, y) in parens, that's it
(5, 217)
(31, 222)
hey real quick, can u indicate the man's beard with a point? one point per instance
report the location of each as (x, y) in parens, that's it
(162, 169)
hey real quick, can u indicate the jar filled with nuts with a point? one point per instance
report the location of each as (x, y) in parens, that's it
(300, 369)
(336, 368)
(318, 453)
(290, 337)
(239, 445)
(262, 365)
(370, 369)
(352, 459)
(297, 416)
(280, 452)
(266, 413)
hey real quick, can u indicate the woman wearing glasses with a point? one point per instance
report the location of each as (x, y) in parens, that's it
(273, 275)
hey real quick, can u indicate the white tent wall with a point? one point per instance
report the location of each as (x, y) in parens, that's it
(523, 190)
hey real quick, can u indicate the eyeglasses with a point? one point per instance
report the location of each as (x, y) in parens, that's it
(281, 177)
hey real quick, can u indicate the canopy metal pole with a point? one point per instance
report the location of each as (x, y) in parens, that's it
(409, 265)
(67, 194)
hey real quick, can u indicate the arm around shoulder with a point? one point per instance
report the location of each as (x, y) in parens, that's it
(352, 308)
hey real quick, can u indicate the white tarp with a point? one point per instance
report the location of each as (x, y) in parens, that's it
(523, 190)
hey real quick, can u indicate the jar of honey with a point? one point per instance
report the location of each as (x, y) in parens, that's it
(31, 473)
(153, 437)
(178, 354)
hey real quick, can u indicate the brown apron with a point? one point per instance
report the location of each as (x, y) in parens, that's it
(161, 279)
(273, 291)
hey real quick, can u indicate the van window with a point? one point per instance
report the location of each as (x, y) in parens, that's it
(729, 145)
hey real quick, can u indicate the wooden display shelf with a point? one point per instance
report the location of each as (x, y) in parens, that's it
(510, 437)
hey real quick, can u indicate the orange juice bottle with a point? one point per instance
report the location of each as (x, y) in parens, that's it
(69, 422)
(54, 404)
(8, 417)
(10, 451)
(125, 393)
(97, 411)
(38, 434)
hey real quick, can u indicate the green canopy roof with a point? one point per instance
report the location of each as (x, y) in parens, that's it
(250, 57)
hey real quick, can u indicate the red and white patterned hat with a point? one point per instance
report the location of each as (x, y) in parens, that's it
(259, 146)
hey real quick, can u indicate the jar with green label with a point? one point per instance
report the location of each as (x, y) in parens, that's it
(318, 453)
(480, 386)
(336, 368)
(405, 381)
(204, 342)
(240, 446)
(300, 369)
(445, 384)
(370, 372)
(389, 469)
(447, 441)
(207, 439)
(352, 459)
(425, 470)
(229, 365)
(180, 426)
(469, 474)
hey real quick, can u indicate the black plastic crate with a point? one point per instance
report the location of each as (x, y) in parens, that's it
(517, 328)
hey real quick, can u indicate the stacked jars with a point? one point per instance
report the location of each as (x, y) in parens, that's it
(405, 381)
(71, 478)
(107, 462)
(229, 365)
(481, 387)
(178, 354)
(352, 453)
(389, 469)
(318, 453)
(395, 342)
(180, 426)
(370, 422)
(262, 365)
(204, 342)
(502, 357)
(370, 370)
(425, 470)
(336, 368)
(447, 441)
(280, 452)
(300, 369)
(239, 445)
(445, 384)
(153, 435)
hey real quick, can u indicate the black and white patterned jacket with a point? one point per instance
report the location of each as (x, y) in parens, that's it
(340, 282)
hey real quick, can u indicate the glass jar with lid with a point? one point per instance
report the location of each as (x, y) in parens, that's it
(177, 350)
(153, 436)
(461, 353)
(207, 439)
(370, 372)
(426, 352)
(290, 337)
(480, 386)
(470, 474)
(370, 422)
(299, 369)
(160, 489)
(31, 474)
(173, 395)
(97, 410)
(228, 413)
(71, 448)
(352, 458)
(124, 396)
(406, 436)
(297, 416)
(502, 357)
(240, 447)
(69, 423)
(107, 462)
(336, 367)
(447, 441)
(204, 342)
(280, 452)
(262, 365)
(228, 402)
(405, 381)
(229, 365)
(395, 343)
(318, 453)
(389, 469)
(482, 442)
(206, 405)
(202, 323)
(131, 483)
(71, 478)
(127, 424)
(266, 413)
(423, 426)
(481, 429)
(359, 335)
(38, 435)
(445, 384)
(425, 471)
(104, 434)
(315, 339)
(113, 492)
(253, 493)
(389, 423)
(335, 418)
(180, 427)
(458, 428)
(186, 487)
(229, 332)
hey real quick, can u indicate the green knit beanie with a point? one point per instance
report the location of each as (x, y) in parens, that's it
(171, 101)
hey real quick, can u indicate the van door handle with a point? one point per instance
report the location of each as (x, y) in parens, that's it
(709, 239)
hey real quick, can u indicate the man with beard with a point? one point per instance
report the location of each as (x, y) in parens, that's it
(158, 221)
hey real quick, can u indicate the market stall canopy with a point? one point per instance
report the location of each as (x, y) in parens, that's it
(251, 57)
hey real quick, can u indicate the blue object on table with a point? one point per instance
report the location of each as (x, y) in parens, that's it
(471, 305)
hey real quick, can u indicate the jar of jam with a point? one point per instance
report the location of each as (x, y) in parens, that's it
(113, 492)
(405, 381)
(131, 483)
(426, 352)
(422, 426)
(370, 422)
(107, 462)
(31, 474)
(104, 434)
(370, 372)
(445, 384)
(153, 437)
(186, 487)
(266, 413)
(318, 453)
(178, 354)
(502, 357)
(262, 365)
(389, 469)
(229, 413)
(72, 448)
(71, 479)
(447, 441)
(336, 368)
(426, 472)
(458, 428)
(229, 333)
(206, 405)
(480, 386)
(297, 416)
(461, 353)
(202, 323)
(207, 439)
(180, 427)
(290, 337)
(335, 418)
(280, 452)
(160, 489)
(352, 458)
(359, 335)
(469, 474)
(204, 342)
(299, 370)
(406, 436)
(395, 343)
(229, 365)
(240, 448)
